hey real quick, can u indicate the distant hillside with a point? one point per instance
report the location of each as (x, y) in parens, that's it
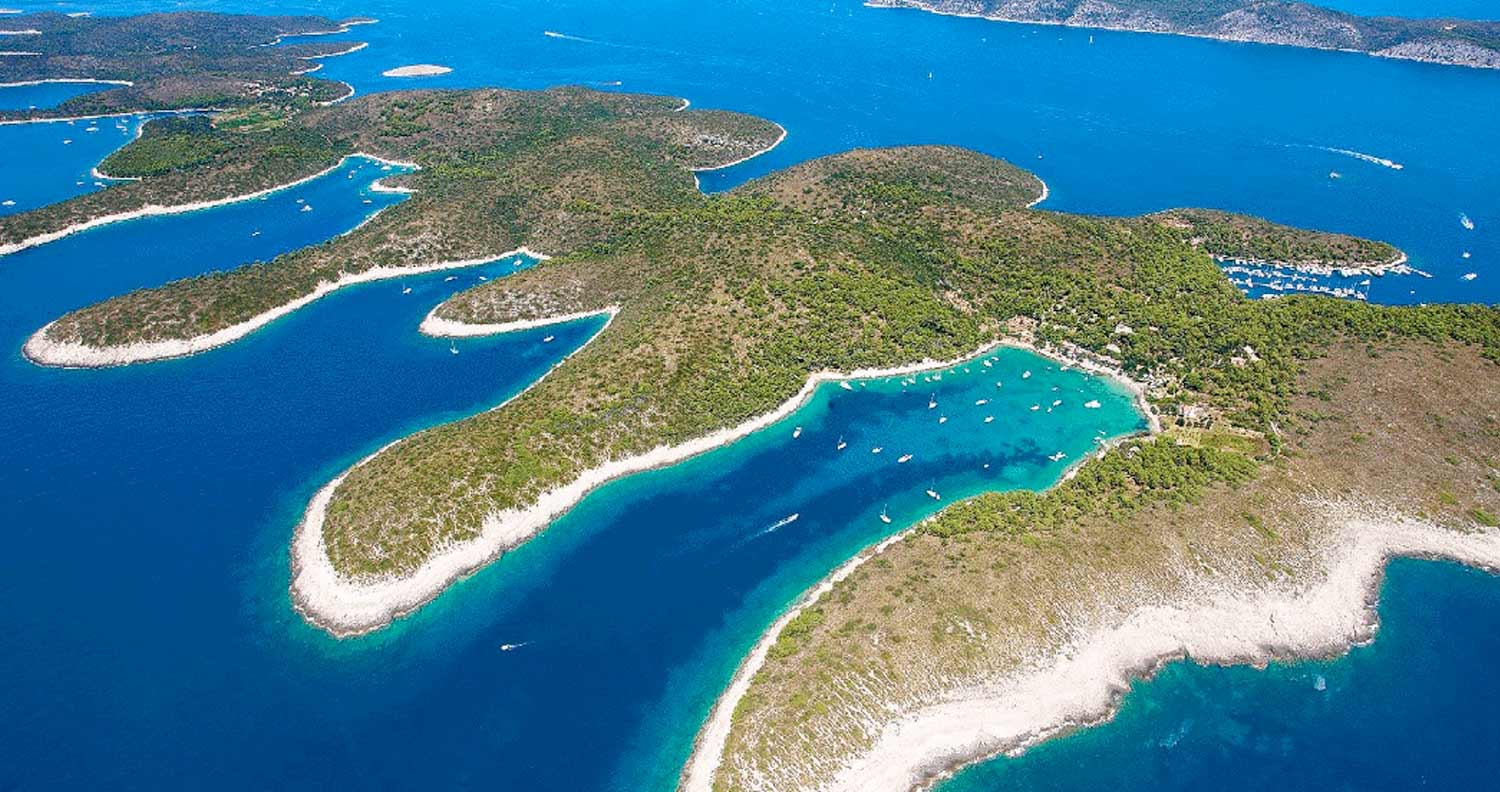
(1456, 42)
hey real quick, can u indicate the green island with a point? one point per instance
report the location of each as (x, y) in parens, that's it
(177, 60)
(1456, 42)
(1303, 439)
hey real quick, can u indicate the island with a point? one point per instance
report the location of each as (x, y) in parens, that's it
(417, 70)
(177, 60)
(1296, 443)
(1455, 42)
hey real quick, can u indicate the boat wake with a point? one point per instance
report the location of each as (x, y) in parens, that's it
(1360, 155)
(566, 37)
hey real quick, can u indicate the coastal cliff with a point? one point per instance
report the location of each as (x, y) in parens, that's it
(1455, 42)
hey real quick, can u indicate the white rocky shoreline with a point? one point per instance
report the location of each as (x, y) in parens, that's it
(45, 351)
(1082, 684)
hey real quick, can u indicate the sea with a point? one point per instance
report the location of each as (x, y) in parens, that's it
(149, 641)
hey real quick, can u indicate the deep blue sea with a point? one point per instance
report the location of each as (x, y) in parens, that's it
(149, 640)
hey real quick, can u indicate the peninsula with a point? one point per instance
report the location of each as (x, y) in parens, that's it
(1456, 42)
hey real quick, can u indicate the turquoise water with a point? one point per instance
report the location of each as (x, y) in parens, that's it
(149, 638)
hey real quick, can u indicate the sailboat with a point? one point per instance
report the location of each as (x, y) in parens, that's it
(931, 401)
(841, 444)
(406, 290)
(885, 518)
(932, 493)
(903, 459)
(453, 347)
(548, 339)
(796, 433)
(942, 419)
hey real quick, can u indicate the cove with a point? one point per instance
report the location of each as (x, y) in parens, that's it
(1394, 714)
(46, 94)
(49, 161)
(621, 622)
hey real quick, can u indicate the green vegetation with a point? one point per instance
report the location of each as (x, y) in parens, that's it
(1141, 473)
(871, 258)
(187, 160)
(175, 60)
(792, 635)
(529, 168)
(192, 144)
(866, 259)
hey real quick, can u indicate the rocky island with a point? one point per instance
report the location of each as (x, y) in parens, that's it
(1456, 42)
